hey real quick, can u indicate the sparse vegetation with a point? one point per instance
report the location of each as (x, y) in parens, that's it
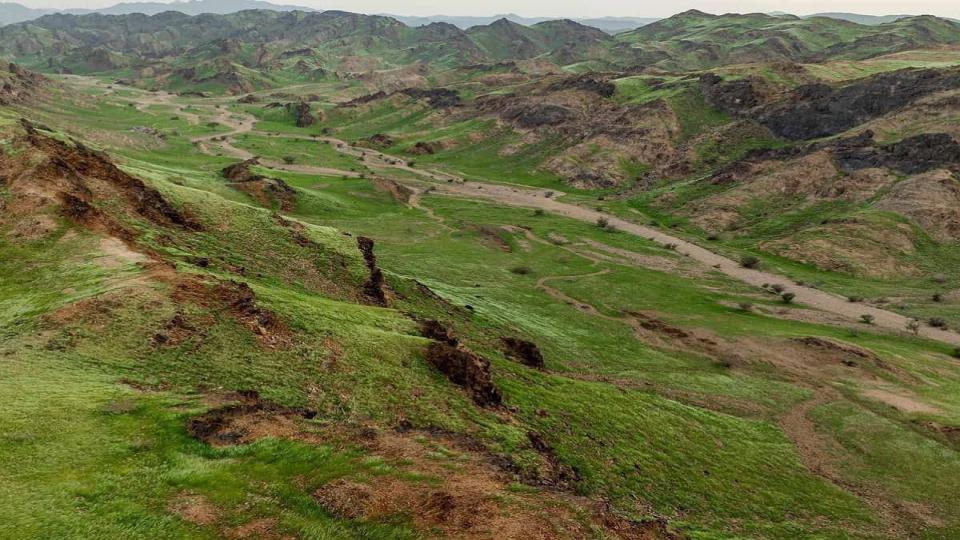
(750, 261)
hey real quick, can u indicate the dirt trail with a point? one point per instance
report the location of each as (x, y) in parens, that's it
(452, 185)
(244, 123)
(818, 453)
(805, 295)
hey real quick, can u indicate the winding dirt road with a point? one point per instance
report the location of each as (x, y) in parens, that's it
(451, 185)
(806, 295)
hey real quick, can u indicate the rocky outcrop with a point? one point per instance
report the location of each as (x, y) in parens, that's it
(435, 97)
(21, 86)
(378, 140)
(819, 110)
(529, 115)
(737, 96)
(301, 113)
(913, 155)
(585, 83)
(363, 100)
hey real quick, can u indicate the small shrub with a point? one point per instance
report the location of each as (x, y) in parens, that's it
(956, 352)
(603, 222)
(937, 322)
(521, 270)
(538, 212)
(671, 246)
(937, 297)
(749, 261)
(867, 318)
(778, 288)
(855, 299)
(745, 306)
(787, 297)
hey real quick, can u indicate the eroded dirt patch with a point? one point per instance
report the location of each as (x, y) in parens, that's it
(446, 484)
(237, 300)
(247, 421)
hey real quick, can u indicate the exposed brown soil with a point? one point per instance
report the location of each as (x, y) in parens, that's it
(20, 86)
(437, 331)
(599, 134)
(261, 529)
(238, 301)
(932, 200)
(852, 247)
(378, 140)
(466, 369)
(76, 179)
(375, 286)
(194, 509)
(901, 401)
(268, 192)
(398, 191)
(526, 352)
(246, 422)
(464, 494)
(424, 148)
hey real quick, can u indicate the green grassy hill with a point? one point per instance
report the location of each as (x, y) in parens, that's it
(431, 283)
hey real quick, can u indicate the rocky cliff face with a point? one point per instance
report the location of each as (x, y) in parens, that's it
(818, 110)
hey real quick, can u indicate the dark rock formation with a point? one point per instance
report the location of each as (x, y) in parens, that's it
(301, 112)
(362, 100)
(731, 96)
(437, 98)
(819, 110)
(380, 140)
(533, 115)
(585, 83)
(913, 155)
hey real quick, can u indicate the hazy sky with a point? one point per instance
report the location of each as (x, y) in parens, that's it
(592, 8)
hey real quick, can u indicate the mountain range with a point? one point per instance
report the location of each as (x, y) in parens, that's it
(257, 48)
(11, 13)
